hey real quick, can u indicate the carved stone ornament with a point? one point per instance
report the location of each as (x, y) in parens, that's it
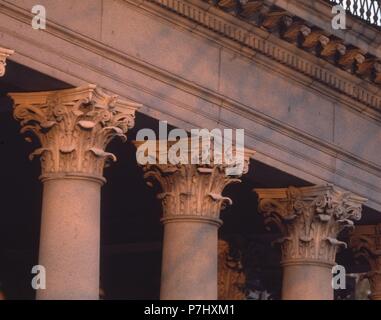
(4, 54)
(366, 243)
(231, 278)
(74, 127)
(310, 219)
(190, 190)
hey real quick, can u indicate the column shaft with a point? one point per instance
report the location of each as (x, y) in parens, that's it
(189, 266)
(307, 282)
(70, 239)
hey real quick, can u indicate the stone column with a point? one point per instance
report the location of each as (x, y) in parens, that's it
(191, 199)
(231, 278)
(4, 54)
(366, 243)
(74, 127)
(310, 219)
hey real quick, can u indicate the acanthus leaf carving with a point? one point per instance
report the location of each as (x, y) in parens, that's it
(74, 127)
(190, 189)
(310, 219)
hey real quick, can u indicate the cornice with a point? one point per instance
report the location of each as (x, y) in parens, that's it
(252, 40)
(308, 26)
(319, 12)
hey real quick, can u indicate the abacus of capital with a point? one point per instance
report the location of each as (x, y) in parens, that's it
(4, 54)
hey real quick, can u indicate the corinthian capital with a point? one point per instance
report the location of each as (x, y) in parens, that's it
(366, 243)
(188, 189)
(74, 127)
(310, 219)
(4, 54)
(231, 278)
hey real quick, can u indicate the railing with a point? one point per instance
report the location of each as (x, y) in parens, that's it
(367, 10)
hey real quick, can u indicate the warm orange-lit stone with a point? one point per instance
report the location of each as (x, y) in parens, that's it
(192, 201)
(310, 219)
(366, 243)
(74, 127)
(4, 54)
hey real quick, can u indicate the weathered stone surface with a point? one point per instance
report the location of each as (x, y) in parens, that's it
(310, 219)
(77, 14)
(192, 199)
(299, 132)
(74, 127)
(366, 243)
